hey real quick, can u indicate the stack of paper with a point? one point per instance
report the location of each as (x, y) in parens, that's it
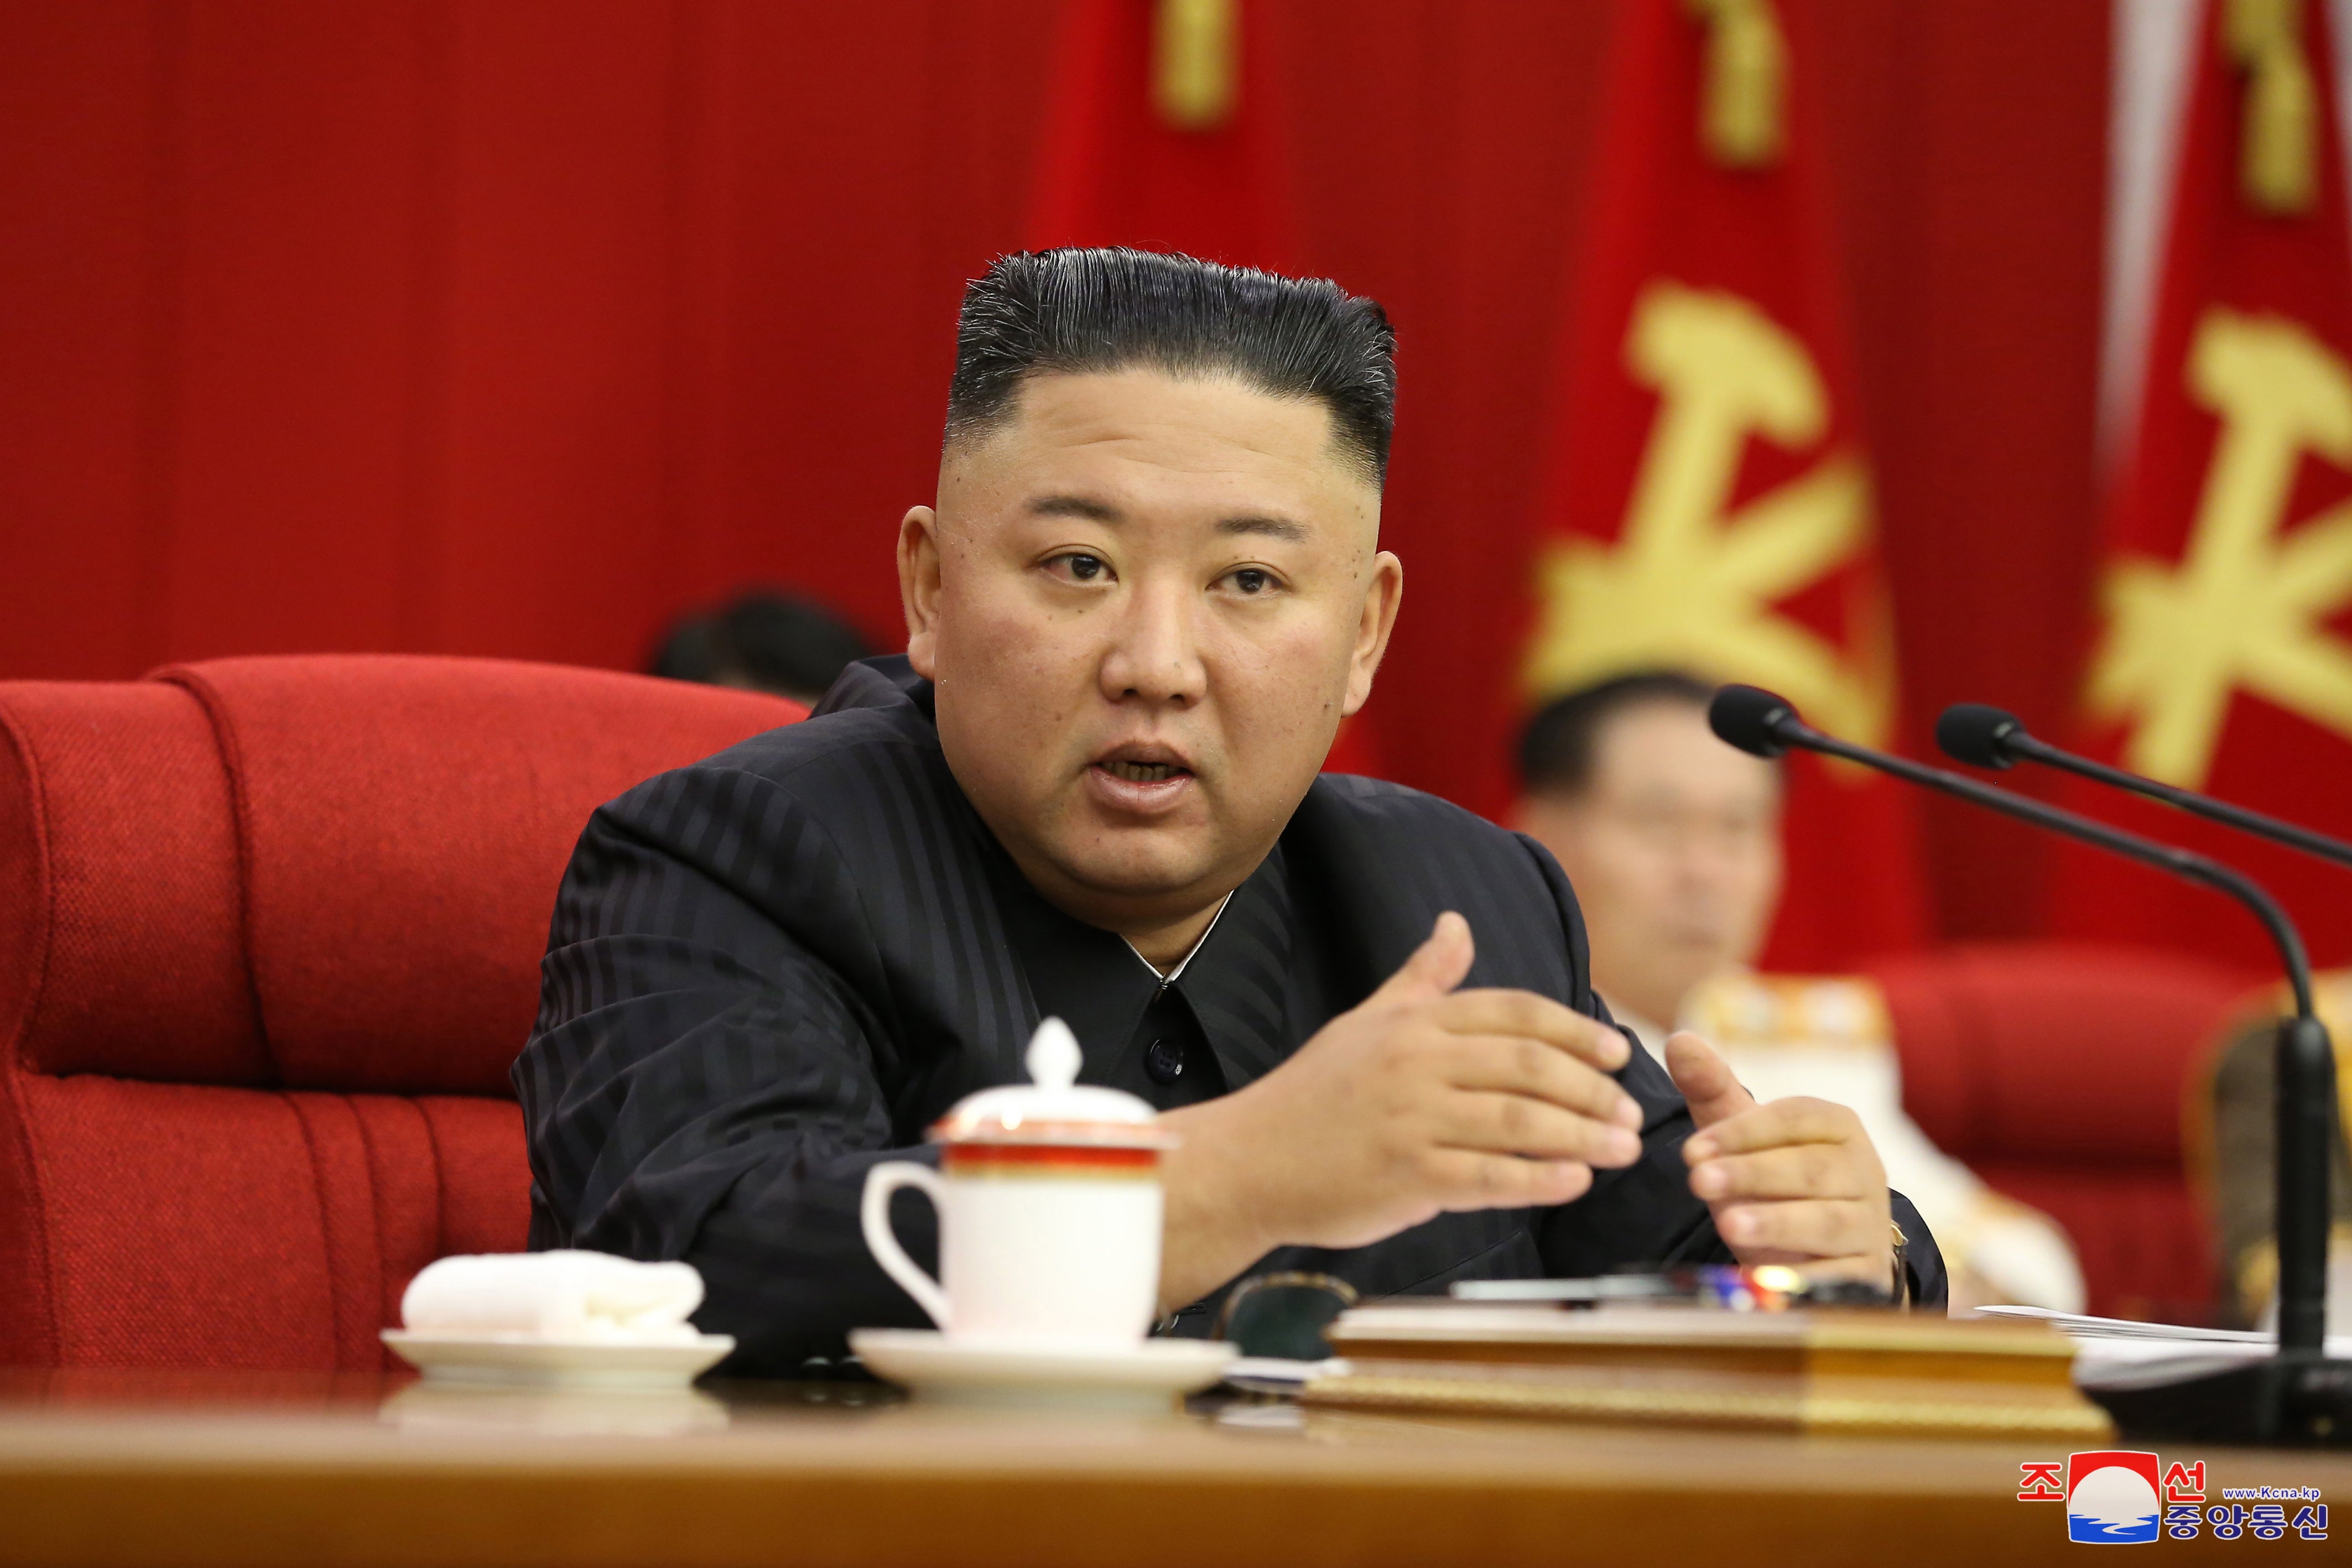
(2116, 1352)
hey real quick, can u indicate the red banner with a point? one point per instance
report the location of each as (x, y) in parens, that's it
(2224, 660)
(1710, 500)
(1164, 133)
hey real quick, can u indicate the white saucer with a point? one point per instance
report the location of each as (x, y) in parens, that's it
(1149, 1372)
(521, 1360)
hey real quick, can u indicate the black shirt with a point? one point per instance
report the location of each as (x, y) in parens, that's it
(773, 969)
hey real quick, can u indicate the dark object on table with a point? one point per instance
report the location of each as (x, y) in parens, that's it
(2294, 1399)
(1282, 1317)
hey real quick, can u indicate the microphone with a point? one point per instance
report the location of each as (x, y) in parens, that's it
(2298, 1395)
(1764, 725)
(1987, 737)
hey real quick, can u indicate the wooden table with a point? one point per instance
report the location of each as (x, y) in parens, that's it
(149, 1469)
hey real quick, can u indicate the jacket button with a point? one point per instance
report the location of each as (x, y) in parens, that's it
(1164, 1061)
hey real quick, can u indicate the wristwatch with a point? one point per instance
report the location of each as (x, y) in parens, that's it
(1902, 1291)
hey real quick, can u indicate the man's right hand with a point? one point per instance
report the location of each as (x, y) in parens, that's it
(1422, 1100)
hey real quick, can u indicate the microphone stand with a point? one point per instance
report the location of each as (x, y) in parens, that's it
(1973, 732)
(2004, 740)
(2297, 1396)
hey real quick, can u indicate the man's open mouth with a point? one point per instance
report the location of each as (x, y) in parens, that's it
(1145, 776)
(1141, 772)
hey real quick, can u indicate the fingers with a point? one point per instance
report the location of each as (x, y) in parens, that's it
(1436, 967)
(1520, 1047)
(1797, 1119)
(1708, 1086)
(1465, 1179)
(1794, 1181)
(1806, 1231)
(1531, 1017)
(1516, 1125)
(1798, 1170)
(1519, 1065)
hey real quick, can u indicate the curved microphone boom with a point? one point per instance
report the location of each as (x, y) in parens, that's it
(2302, 1396)
(1764, 725)
(1986, 737)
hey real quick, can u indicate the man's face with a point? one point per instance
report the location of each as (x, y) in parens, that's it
(1675, 851)
(1146, 603)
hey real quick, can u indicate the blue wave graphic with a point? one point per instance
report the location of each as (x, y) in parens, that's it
(2095, 1530)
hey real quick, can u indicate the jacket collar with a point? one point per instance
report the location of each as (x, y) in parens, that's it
(1237, 984)
(1091, 981)
(885, 680)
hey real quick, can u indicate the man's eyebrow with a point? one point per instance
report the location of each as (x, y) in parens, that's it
(1272, 528)
(1092, 511)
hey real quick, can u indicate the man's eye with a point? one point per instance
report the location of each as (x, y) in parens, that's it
(1084, 568)
(1250, 581)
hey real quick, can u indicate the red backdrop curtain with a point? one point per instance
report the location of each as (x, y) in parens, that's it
(513, 329)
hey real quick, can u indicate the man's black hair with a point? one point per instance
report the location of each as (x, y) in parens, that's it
(1089, 311)
(764, 640)
(1560, 747)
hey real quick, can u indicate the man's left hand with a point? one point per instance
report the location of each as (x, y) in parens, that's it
(1794, 1181)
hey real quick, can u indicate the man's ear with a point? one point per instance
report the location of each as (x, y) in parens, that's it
(919, 587)
(1381, 597)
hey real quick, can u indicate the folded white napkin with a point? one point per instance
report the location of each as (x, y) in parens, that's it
(574, 1297)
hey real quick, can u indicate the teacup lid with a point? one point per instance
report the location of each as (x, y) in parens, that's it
(1054, 1107)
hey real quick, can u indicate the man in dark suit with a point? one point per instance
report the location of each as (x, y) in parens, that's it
(1148, 592)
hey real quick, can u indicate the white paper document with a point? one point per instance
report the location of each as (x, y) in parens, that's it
(2118, 1353)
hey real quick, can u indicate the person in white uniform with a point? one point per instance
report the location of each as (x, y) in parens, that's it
(1672, 841)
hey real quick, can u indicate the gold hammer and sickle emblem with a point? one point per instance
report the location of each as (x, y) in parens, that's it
(1690, 583)
(2244, 606)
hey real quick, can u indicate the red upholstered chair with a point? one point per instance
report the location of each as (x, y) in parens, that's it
(270, 938)
(2054, 1070)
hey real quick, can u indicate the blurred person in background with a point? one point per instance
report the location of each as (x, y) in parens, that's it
(762, 641)
(1672, 840)
(2233, 1149)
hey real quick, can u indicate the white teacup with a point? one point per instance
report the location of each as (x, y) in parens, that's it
(1049, 1210)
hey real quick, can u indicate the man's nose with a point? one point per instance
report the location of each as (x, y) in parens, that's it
(1155, 653)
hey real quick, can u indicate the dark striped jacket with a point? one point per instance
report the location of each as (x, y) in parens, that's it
(771, 970)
